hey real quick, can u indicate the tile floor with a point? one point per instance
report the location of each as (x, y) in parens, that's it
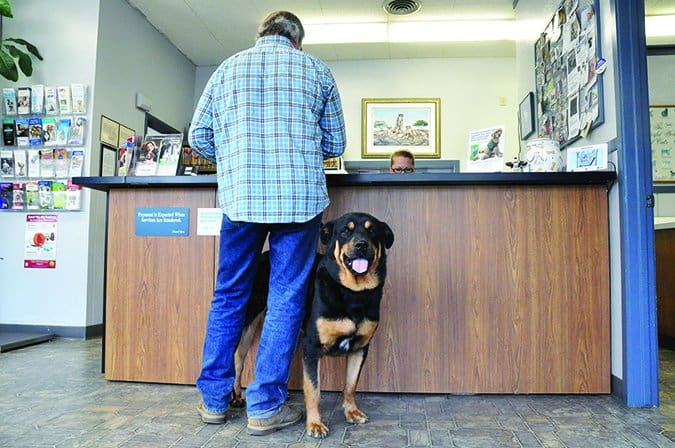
(52, 395)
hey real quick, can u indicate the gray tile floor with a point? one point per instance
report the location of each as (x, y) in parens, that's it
(52, 395)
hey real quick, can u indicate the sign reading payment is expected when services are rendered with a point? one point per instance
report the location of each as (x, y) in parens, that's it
(167, 221)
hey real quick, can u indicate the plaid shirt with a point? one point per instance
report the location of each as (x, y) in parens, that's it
(268, 117)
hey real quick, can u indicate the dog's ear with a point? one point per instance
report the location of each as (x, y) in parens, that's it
(388, 234)
(326, 232)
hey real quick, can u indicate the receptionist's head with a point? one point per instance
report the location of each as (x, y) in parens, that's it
(402, 161)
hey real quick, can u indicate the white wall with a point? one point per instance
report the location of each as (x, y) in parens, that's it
(123, 56)
(132, 56)
(470, 91)
(50, 296)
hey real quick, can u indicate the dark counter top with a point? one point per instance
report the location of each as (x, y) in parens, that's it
(563, 178)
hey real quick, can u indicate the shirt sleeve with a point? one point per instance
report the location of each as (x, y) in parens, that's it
(200, 135)
(332, 123)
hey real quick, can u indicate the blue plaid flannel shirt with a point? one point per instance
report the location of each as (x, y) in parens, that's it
(268, 117)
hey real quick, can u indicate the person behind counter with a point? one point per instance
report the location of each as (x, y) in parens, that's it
(258, 119)
(402, 161)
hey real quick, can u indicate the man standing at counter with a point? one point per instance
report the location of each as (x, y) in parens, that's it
(268, 117)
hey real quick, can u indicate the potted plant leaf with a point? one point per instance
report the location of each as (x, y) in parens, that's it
(14, 50)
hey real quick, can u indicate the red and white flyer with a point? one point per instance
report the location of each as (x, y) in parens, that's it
(40, 242)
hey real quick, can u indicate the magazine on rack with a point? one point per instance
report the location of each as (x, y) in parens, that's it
(157, 155)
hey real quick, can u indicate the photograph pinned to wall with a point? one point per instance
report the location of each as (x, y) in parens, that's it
(486, 150)
(391, 124)
(110, 131)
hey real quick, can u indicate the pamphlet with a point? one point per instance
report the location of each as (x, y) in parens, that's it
(37, 98)
(51, 101)
(23, 100)
(64, 99)
(9, 98)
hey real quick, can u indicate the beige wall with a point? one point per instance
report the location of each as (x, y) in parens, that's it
(470, 91)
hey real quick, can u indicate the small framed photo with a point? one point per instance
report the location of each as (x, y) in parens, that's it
(391, 124)
(110, 131)
(587, 158)
(526, 116)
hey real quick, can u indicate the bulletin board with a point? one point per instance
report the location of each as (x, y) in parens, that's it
(662, 131)
(568, 89)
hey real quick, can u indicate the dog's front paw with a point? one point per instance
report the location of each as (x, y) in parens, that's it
(317, 429)
(355, 415)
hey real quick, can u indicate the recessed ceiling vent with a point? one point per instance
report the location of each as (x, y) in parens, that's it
(401, 7)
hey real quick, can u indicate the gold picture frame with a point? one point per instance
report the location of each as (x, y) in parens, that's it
(391, 124)
(110, 131)
(124, 134)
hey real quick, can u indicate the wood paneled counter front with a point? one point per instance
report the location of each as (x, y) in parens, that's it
(497, 283)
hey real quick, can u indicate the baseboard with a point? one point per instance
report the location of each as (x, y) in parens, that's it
(617, 387)
(666, 341)
(88, 332)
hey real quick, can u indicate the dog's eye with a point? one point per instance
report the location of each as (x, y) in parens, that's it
(346, 231)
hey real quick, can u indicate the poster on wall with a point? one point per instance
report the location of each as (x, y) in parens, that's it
(662, 132)
(568, 88)
(40, 242)
(486, 150)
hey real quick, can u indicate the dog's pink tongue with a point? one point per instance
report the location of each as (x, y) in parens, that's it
(360, 265)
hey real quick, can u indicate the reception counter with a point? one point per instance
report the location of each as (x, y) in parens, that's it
(497, 282)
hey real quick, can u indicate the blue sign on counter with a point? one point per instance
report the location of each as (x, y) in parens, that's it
(162, 221)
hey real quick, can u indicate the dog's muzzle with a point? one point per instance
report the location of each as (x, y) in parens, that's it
(358, 260)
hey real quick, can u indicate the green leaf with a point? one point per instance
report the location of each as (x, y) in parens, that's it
(8, 67)
(5, 9)
(30, 47)
(25, 63)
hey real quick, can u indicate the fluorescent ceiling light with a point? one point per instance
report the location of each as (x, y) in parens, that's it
(446, 31)
(437, 31)
(344, 33)
(657, 26)
(451, 31)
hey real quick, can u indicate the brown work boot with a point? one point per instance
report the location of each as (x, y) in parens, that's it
(262, 426)
(214, 418)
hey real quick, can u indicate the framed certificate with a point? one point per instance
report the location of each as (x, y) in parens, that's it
(110, 131)
(108, 160)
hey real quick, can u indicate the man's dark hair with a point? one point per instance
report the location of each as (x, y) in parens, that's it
(282, 23)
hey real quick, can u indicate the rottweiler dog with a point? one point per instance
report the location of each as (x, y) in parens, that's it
(342, 310)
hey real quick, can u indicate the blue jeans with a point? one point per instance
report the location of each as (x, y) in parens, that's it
(292, 250)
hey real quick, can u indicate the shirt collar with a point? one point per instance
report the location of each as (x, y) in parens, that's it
(274, 39)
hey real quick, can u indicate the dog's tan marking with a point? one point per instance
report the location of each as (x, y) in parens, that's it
(369, 280)
(367, 224)
(351, 225)
(352, 413)
(315, 427)
(366, 331)
(330, 330)
(245, 341)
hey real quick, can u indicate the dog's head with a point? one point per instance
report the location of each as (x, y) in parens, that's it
(357, 244)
